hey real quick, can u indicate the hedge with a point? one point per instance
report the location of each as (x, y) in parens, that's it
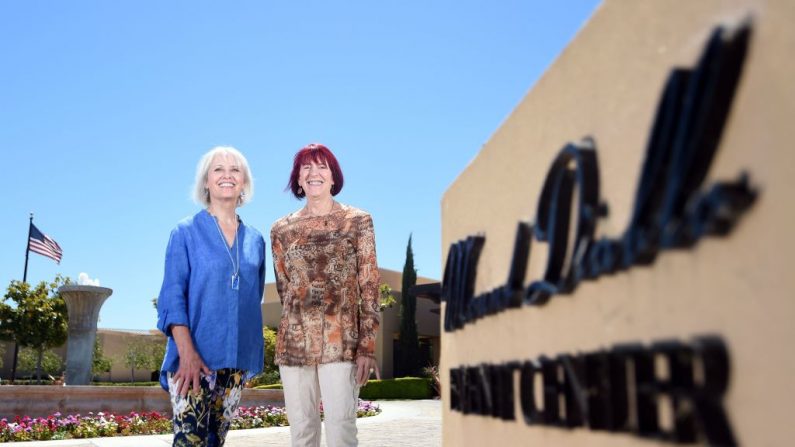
(401, 388)
(50, 383)
(27, 382)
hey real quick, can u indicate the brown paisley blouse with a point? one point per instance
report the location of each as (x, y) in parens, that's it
(327, 278)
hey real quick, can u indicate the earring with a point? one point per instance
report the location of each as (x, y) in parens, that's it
(300, 191)
(242, 194)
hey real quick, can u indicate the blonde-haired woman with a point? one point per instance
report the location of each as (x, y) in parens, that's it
(209, 303)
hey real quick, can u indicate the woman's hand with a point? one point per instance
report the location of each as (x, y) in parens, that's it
(364, 367)
(191, 365)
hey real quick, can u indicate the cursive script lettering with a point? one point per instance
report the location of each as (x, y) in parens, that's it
(671, 210)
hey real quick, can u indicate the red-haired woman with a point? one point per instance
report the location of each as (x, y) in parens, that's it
(327, 279)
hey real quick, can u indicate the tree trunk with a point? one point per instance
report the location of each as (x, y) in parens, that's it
(40, 353)
(132, 374)
(14, 363)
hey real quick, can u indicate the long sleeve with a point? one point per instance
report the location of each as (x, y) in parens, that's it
(173, 298)
(279, 269)
(262, 275)
(369, 279)
(327, 278)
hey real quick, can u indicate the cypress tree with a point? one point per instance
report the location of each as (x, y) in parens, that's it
(408, 340)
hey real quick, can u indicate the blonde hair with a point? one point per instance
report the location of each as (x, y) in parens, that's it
(201, 195)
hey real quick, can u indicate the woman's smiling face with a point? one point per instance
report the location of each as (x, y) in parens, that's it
(225, 179)
(316, 179)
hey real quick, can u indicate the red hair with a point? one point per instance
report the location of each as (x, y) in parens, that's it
(319, 154)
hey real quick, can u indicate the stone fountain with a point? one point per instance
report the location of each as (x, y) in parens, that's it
(83, 303)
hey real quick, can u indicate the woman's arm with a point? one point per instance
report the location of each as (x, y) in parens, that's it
(279, 267)
(172, 304)
(191, 364)
(368, 278)
(261, 272)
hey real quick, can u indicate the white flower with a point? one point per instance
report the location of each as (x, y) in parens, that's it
(178, 403)
(230, 403)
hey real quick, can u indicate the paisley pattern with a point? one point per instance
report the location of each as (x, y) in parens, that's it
(327, 278)
(203, 419)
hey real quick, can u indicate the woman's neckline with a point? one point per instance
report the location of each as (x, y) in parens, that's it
(335, 207)
(213, 216)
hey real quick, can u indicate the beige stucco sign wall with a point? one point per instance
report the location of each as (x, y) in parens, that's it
(739, 288)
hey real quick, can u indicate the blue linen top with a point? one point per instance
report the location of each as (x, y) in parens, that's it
(225, 324)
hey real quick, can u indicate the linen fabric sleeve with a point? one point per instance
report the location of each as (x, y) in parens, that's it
(262, 271)
(279, 268)
(369, 279)
(172, 302)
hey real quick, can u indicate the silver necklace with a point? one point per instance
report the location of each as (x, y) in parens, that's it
(235, 266)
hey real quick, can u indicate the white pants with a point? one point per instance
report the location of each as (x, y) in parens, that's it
(303, 388)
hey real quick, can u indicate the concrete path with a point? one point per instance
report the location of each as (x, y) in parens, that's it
(404, 423)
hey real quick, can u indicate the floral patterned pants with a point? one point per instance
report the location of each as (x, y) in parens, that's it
(202, 419)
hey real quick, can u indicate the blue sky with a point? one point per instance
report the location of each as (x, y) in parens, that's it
(106, 107)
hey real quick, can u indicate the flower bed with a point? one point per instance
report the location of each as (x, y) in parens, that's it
(96, 425)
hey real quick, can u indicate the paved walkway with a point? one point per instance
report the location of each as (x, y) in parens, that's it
(404, 423)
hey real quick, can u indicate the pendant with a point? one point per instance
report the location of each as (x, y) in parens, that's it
(235, 281)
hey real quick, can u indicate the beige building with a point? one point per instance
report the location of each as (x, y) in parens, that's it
(114, 345)
(595, 352)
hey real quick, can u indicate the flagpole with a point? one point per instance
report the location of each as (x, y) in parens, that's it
(24, 279)
(27, 250)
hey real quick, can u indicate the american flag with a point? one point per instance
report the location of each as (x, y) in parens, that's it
(44, 245)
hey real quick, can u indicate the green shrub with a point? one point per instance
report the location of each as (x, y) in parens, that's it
(29, 381)
(432, 373)
(265, 378)
(125, 383)
(400, 388)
